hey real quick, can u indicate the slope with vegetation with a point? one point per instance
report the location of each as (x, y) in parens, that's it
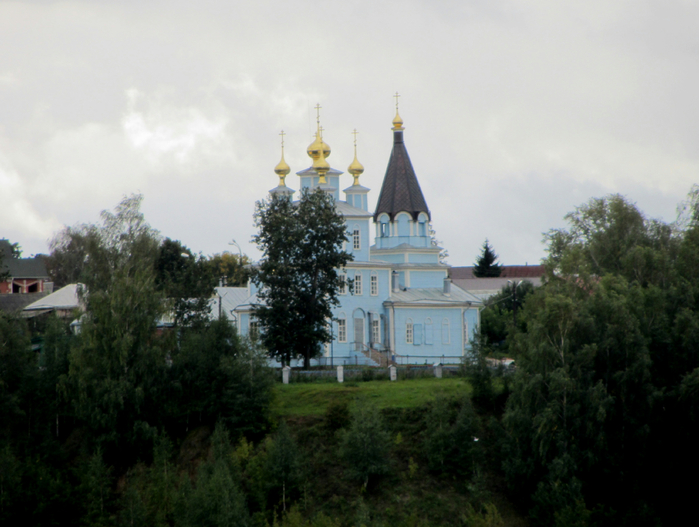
(123, 425)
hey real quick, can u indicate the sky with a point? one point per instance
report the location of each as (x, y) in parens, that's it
(515, 112)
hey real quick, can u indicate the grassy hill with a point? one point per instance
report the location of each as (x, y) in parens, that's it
(412, 492)
(313, 399)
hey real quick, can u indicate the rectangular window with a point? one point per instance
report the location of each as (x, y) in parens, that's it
(466, 336)
(343, 284)
(342, 330)
(356, 241)
(375, 330)
(445, 332)
(358, 284)
(374, 285)
(254, 329)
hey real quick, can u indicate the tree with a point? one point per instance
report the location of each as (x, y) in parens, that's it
(298, 274)
(118, 361)
(485, 266)
(186, 280)
(8, 250)
(443, 253)
(69, 253)
(218, 378)
(216, 498)
(601, 412)
(91, 253)
(283, 463)
(497, 316)
(365, 445)
(230, 268)
(17, 366)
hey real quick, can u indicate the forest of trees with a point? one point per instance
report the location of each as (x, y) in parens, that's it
(600, 424)
(121, 424)
(111, 396)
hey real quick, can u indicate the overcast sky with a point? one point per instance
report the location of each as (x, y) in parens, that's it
(515, 112)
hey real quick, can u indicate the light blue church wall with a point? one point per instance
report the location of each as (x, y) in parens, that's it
(436, 332)
(383, 242)
(430, 258)
(471, 321)
(423, 279)
(363, 306)
(358, 200)
(361, 254)
(390, 258)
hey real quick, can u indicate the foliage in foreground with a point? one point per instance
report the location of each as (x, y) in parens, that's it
(600, 422)
(298, 277)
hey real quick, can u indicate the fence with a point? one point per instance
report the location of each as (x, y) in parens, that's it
(370, 373)
(398, 360)
(402, 360)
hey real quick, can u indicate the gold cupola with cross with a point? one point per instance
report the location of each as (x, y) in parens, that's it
(356, 194)
(282, 170)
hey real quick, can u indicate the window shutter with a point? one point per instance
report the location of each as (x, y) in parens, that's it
(429, 334)
(417, 338)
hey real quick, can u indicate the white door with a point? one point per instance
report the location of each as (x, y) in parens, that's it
(358, 334)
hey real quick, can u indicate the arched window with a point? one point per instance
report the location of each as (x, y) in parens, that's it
(375, 328)
(403, 221)
(429, 339)
(341, 328)
(343, 283)
(409, 331)
(445, 331)
(374, 284)
(357, 289)
(358, 317)
(422, 225)
(383, 226)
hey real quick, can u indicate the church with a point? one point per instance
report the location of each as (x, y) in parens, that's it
(403, 307)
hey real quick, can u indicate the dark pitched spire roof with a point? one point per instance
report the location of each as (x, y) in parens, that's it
(400, 190)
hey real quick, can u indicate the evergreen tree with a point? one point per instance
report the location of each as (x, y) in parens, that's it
(365, 445)
(298, 274)
(283, 465)
(486, 266)
(215, 499)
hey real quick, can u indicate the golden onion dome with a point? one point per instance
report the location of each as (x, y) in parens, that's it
(397, 121)
(356, 168)
(315, 148)
(325, 148)
(282, 169)
(320, 164)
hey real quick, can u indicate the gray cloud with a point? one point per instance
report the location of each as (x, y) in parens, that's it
(515, 113)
